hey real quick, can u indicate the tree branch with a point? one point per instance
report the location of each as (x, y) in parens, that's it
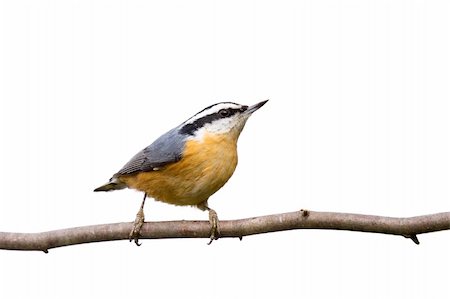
(406, 227)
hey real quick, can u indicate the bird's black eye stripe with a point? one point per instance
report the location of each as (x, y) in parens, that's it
(228, 112)
(190, 129)
(224, 112)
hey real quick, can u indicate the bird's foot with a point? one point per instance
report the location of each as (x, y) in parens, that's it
(214, 220)
(138, 222)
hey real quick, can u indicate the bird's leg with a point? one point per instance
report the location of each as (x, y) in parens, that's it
(213, 219)
(138, 222)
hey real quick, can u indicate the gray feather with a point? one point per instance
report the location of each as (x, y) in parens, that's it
(165, 150)
(113, 184)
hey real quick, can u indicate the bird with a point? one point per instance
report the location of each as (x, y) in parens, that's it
(187, 164)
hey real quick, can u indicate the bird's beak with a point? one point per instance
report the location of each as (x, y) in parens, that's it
(255, 107)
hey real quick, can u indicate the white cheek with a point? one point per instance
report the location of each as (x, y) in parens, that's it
(220, 126)
(231, 126)
(198, 136)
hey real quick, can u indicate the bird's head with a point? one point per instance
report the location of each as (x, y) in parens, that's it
(221, 118)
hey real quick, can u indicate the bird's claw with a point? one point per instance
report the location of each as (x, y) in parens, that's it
(215, 231)
(138, 222)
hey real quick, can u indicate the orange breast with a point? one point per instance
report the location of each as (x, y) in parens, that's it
(205, 167)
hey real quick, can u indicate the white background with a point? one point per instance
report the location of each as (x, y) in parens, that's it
(358, 121)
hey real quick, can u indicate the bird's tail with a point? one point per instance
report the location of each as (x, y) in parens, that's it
(113, 184)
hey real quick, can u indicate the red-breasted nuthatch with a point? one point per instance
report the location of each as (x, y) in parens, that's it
(189, 163)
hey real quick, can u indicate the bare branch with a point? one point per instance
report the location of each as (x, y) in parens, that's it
(407, 227)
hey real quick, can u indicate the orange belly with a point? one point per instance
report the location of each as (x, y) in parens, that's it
(205, 167)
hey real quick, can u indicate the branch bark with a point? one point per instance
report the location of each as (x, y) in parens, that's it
(406, 227)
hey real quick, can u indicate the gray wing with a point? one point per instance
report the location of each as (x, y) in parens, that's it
(165, 150)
